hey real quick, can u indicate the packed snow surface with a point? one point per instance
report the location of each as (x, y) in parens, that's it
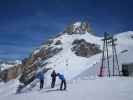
(117, 88)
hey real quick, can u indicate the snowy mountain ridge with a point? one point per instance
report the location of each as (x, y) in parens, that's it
(5, 64)
(125, 41)
(66, 61)
(76, 53)
(60, 61)
(72, 54)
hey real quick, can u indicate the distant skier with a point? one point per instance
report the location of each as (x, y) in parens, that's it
(63, 81)
(40, 76)
(53, 75)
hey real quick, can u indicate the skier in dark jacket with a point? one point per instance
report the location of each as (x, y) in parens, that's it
(53, 75)
(63, 81)
(40, 76)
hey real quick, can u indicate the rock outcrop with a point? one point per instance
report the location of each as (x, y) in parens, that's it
(11, 73)
(78, 28)
(33, 63)
(84, 49)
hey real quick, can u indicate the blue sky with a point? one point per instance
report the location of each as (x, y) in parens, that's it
(25, 24)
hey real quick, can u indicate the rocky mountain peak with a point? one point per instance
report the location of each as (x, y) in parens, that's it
(78, 28)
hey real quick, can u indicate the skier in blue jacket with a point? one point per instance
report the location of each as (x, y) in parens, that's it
(40, 76)
(63, 81)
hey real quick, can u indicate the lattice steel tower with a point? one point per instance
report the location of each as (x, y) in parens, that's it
(109, 60)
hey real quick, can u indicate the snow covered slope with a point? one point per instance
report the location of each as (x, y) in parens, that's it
(125, 46)
(71, 65)
(124, 49)
(67, 62)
